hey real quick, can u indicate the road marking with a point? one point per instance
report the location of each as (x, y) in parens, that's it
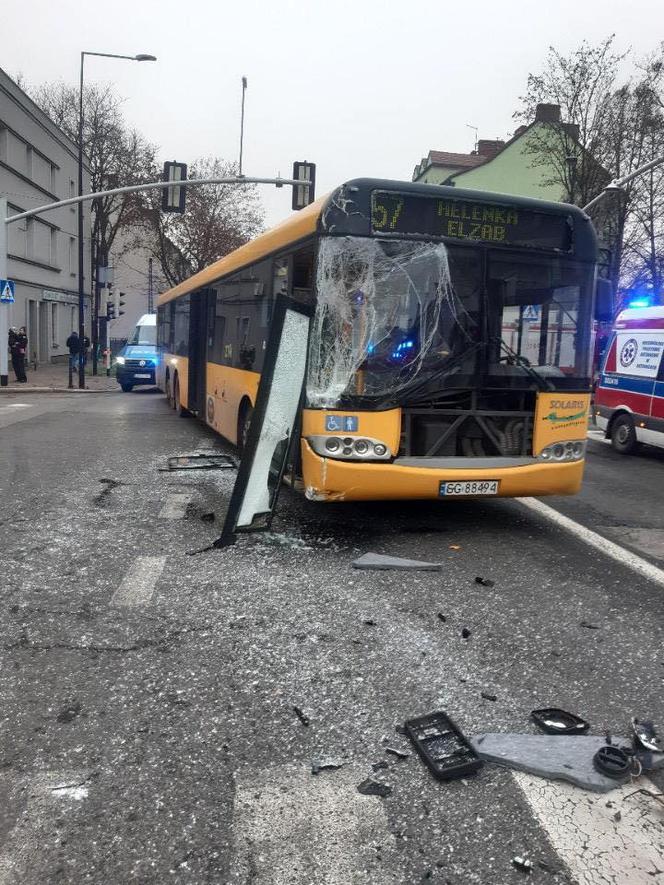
(598, 848)
(615, 551)
(291, 828)
(18, 405)
(44, 798)
(175, 507)
(138, 584)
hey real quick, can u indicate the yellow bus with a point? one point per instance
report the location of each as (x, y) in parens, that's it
(450, 348)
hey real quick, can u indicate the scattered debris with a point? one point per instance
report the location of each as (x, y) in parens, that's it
(485, 582)
(69, 713)
(400, 754)
(204, 461)
(617, 816)
(455, 546)
(401, 729)
(553, 720)
(543, 865)
(109, 485)
(523, 864)
(659, 797)
(279, 539)
(646, 735)
(613, 762)
(377, 766)
(489, 697)
(371, 787)
(465, 633)
(207, 517)
(369, 622)
(301, 716)
(319, 765)
(442, 617)
(589, 626)
(380, 562)
(443, 747)
(569, 759)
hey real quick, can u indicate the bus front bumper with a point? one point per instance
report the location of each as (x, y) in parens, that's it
(326, 479)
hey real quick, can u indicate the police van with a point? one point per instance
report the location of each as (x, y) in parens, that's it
(629, 398)
(137, 361)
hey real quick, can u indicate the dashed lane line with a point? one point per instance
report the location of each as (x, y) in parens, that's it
(175, 507)
(615, 551)
(138, 584)
(610, 838)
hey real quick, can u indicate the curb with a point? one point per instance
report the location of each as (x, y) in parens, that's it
(6, 391)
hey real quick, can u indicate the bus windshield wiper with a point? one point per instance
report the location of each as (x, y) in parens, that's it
(520, 361)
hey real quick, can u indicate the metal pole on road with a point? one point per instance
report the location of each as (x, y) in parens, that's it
(4, 308)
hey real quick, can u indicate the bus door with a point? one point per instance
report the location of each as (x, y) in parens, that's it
(198, 318)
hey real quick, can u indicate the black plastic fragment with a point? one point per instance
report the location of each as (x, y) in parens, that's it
(319, 765)
(485, 582)
(613, 762)
(304, 719)
(465, 633)
(552, 720)
(443, 747)
(442, 617)
(589, 626)
(371, 787)
(377, 766)
(369, 622)
(489, 697)
(207, 517)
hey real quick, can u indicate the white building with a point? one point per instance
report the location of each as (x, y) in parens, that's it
(38, 165)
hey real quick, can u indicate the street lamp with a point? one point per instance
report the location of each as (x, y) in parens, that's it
(81, 292)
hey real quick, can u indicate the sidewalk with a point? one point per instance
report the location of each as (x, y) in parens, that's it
(55, 377)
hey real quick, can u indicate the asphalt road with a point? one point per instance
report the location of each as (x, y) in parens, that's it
(148, 730)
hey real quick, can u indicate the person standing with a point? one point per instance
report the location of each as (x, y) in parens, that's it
(18, 345)
(74, 346)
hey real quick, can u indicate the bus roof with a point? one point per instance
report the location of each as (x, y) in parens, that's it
(346, 210)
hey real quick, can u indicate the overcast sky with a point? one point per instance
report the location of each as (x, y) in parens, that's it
(360, 87)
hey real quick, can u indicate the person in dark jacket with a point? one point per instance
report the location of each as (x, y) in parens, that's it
(74, 346)
(18, 345)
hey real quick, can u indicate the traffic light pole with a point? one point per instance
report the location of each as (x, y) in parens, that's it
(78, 201)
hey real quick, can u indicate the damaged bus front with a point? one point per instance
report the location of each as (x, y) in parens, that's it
(451, 346)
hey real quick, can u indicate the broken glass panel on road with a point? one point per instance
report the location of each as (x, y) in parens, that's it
(200, 462)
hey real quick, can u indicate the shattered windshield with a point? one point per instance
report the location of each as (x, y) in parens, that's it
(389, 312)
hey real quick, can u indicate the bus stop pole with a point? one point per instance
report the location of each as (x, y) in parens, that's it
(4, 306)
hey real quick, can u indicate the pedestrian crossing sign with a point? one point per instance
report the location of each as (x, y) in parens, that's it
(531, 313)
(7, 288)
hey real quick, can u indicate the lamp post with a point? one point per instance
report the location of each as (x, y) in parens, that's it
(81, 288)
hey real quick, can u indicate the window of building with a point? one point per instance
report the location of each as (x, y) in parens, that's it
(54, 247)
(74, 320)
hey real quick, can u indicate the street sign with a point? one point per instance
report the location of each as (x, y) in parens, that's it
(7, 291)
(303, 194)
(173, 198)
(531, 313)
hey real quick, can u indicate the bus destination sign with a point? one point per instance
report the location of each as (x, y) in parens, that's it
(407, 214)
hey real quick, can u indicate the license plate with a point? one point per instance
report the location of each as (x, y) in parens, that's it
(138, 375)
(470, 487)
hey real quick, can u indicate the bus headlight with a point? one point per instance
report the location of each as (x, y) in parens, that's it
(120, 360)
(570, 450)
(349, 448)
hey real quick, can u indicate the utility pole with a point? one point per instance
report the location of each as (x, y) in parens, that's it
(150, 288)
(244, 89)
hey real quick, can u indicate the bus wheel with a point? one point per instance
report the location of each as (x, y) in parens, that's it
(243, 424)
(623, 435)
(176, 397)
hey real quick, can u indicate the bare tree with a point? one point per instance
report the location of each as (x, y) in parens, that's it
(217, 220)
(116, 156)
(610, 130)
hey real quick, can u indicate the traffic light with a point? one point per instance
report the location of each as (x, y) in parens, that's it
(173, 198)
(303, 194)
(110, 310)
(121, 304)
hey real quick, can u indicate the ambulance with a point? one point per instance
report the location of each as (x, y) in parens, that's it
(629, 398)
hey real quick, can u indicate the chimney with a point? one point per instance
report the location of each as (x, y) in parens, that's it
(547, 113)
(488, 148)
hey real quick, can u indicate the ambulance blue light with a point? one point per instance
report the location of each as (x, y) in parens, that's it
(643, 301)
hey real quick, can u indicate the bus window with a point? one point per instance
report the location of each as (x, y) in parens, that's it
(181, 331)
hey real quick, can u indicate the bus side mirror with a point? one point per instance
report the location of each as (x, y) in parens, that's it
(604, 306)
